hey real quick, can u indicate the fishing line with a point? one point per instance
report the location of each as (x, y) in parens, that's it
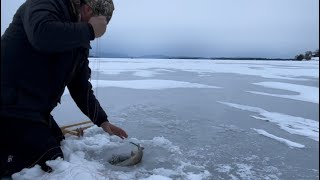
(95, 68)
(98, 62)
(98, 50)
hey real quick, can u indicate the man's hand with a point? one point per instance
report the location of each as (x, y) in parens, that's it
(99, 24)
(113, 130)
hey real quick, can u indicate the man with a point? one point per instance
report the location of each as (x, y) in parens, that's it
(45, 49)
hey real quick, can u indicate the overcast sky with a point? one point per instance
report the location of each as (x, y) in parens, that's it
(209, 28)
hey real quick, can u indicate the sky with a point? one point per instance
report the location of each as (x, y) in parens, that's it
(206, 28)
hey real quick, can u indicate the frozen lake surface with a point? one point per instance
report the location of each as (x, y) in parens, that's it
(197, 119)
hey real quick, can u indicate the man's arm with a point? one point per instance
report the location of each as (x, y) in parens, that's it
(46, 31)
(81, 91)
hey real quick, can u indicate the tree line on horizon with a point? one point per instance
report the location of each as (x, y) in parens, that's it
(307, 55)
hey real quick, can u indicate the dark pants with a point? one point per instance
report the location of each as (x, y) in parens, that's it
(25, 144)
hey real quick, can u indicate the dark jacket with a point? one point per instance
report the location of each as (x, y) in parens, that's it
(44, 50)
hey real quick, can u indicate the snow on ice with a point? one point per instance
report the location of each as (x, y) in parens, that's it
(86, 157)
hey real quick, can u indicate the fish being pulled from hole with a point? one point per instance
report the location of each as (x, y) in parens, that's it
(128, 160)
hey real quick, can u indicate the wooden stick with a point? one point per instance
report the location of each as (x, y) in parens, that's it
(86, 127)
(77, 132)
(77, 124)
(65, 131)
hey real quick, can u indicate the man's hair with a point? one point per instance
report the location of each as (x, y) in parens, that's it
(100, 7)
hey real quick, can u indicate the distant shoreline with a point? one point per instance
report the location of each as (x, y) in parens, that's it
(192, 57)
(199, 58)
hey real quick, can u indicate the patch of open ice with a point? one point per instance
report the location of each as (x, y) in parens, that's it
(149, 84)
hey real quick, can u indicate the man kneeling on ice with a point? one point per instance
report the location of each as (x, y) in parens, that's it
(43, 50)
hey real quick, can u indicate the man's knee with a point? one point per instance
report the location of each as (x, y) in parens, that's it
(15, 161)
(31, 144)
(51, 154)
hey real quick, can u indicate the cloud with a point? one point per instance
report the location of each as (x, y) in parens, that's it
(267, 28)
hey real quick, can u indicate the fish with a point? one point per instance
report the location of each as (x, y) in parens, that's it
(128, 160)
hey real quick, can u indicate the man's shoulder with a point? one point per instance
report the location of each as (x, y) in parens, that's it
(59, 6)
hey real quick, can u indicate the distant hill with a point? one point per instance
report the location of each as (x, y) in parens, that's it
(156, 56)
(153, 57)
(209, 58)
(251, 58)
(109, 55)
